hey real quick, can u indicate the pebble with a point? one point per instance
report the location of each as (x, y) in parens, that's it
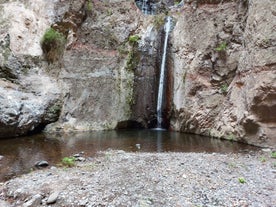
(34, 201)
(42, 163)
(53, 198)
(152, 179)
(80, 159)
(266, 150)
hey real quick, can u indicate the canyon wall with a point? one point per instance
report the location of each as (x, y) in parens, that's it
(221, 67)
(29, 97)
(223, 60)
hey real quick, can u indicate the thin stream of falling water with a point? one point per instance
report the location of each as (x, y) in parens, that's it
(167, 28)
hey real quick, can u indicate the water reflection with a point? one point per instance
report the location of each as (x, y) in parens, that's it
(20, 154)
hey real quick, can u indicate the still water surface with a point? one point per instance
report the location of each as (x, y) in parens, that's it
(21, 154)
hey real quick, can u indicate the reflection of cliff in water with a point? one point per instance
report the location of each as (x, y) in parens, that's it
(21, 154)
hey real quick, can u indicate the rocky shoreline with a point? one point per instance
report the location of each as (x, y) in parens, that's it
(118, 178)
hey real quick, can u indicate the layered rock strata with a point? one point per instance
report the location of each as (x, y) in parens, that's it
(224, 70)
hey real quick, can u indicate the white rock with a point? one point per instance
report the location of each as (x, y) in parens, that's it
(53, 197)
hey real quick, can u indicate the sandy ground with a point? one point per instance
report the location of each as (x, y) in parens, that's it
(117, 178)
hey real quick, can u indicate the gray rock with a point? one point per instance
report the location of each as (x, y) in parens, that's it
(4, 203)
(245, 69)
(80, 159)
(1, 157)
(53, 198)
(34, 201)
(21, 110)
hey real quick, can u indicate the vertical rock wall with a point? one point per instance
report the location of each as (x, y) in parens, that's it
(29, 97)
(224, 70)
(106, 76)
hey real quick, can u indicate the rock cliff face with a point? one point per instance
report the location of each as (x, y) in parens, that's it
(221, 67)
(103, 83)
(224, 64)
(29, 98)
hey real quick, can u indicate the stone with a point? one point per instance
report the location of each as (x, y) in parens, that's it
(34, 201)
(1, 157)
(53, 197)
(4, 203)
(80, 159)
(42, 163)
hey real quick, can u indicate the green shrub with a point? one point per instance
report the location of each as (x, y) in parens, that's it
(53, 44)
(68, 161)
(273, 155)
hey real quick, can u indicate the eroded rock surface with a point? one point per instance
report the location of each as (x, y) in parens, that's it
(224, 70)
(29, 98)
(221, 63)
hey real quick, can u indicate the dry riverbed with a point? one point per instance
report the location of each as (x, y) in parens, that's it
(118, 178)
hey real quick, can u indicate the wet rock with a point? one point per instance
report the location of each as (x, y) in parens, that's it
(42, 163)
(53, 198)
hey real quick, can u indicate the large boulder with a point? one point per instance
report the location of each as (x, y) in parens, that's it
(29, 98)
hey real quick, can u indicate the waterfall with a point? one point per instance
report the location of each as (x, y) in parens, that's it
(146, 6)
(167, 28)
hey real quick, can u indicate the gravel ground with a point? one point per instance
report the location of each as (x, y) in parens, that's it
(117, 178)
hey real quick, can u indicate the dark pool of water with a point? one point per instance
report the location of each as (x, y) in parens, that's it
(21, 154)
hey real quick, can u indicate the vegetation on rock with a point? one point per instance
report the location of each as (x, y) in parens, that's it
(53, 43)
(221, 47)
(133, 39)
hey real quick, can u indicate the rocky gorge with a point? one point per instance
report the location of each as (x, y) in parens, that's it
(220, 79)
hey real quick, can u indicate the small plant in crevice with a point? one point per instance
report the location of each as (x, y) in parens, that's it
(242, 180)
(132, 61)
(68, 161)
(133, 39)
(273, 155)
(159, 20)
(53, 45)
(224, 88)
(231, 137)
(89, 5)
(262, 159)
(221, 47)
